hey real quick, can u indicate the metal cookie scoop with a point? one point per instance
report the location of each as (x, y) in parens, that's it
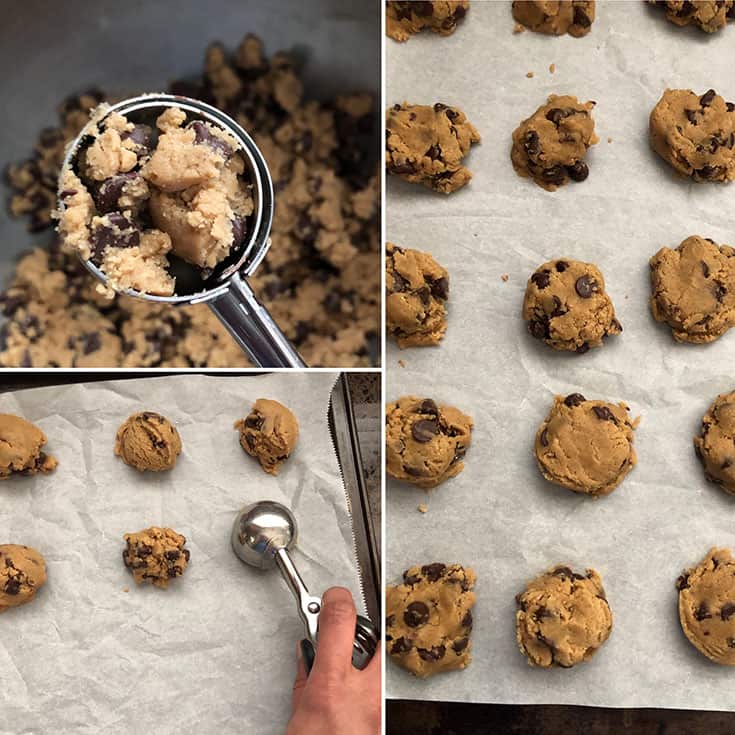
(225, 290)
(262, 536)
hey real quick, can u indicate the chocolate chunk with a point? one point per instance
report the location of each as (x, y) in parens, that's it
(115, 230)
(563, 572)
(389, 621)
(467, 620)
(541, 279)
(574, 399)
(172, 555)
(554, 175)
(581, 18)
(728, 610)
(411, 579)
(417, 613)
(239, 231)
(435, 152)
(434, 571)
(440, 288)
(429, 406)
(12, 586)
(705, 269)
(425, 430)
(539, 328)
(702, 612)
(204, 136)
(561, 266)
(586, 286)
(434, 654)
(604, 413)
(460, 644)
(683, 582)
(544, 438)
(531, 143)
(706, 99)
(254, 421)
(142, 136)
(400, 645)
(578, 171)
(107, 196)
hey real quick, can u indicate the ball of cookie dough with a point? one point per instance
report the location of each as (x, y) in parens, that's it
(429, 619)
(425, 442)
(426, 144)
(417, 288)
(695, 134)
(566, 306)
(562, 618)
(22, 574)
(269, 433)
(707, 15)
(707, 606)
(550, 146)
(403, 19)
(20, 448)
(148, 441)
(155, 555)
(715, 446)
(693, 289)
(586, 446)
(555, 17)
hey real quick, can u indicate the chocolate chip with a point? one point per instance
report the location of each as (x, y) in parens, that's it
(429, 406)
(433, 654)
(539, 328)
(574, 399)
(254, 421)
(402, 168)
(708, 172)
(451, 114)
(460, 644)
(544, 438)
(142, 136)
(417, 613)
(578, 171)
(706, 99)
(584, 347)
(720, 292)
(604, 413)
(586, 286)
(705, 269)
(730, 106)
(531, 143)
(411, 579)
(683, 582)
(467, 620)
(541, 279)
(440, 288)
(389, 621)
(204, 136)
(559, 310)
(561, 265)
(115, 230)
(173, 554)
(556, 115)
(12, 586)
(691, 116)
(433, 571)
(187, 554)
(555, 175)
(728, 610)
(143, 550)
(702, 612)
(434, 153)
(581, 18)
(425, 430)
(401, 645)
(563, 572)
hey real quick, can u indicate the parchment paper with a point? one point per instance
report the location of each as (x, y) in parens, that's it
(499, 515)
(216, 651)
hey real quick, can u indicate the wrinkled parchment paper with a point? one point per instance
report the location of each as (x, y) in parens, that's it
(499, 515)
(216, 651)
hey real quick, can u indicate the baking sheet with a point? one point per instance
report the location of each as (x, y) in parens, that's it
(216, 651)
(499, 515)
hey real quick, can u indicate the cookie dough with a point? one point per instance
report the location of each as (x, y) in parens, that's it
(269, 433)
(695, 134)
(22, 574)
(586, 446)
(707, 15)
(555, 17)
(403, 19)
(429, 619)
(155, 555)
(21, 445)
(562, 618)
(417, 289)
(693, 289)
(707, 606)
(148, 441)
(188, 180)
(550, 146)
(715, 446)
(567, 307)
(426, 144)
(425, 442)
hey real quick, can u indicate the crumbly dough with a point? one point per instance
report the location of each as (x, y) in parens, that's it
(425, 144)
(715, 446)
(417, 289)
(22, 574)
(429, 619)
(695, 134)
(555, 17)
(567, 307)
(707, 606)
(403, 19)
(269, 433)
(693, 289)
(21, 445)
(155, 555)
(148, 441)
(586, 446)
(190, 181)
(707, 15)
(562, 618)
(425, 442)
(550, 146)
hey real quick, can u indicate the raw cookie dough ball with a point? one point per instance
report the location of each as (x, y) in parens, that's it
(20, 448)
(555, 17)
(550, 146)
(693, 289)
(155, 555)
(426, 145)
(22, 574)
(707, 606)
(269, 433)
(429, 619)
(707, 15)
(403, 19)
(148, 441)
(696, 135)
(425, 442)
(715, 446)
(562, 618)
(417, 288)
(567, 307)
(586, 446)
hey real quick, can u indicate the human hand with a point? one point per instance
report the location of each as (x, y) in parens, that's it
(336, 698)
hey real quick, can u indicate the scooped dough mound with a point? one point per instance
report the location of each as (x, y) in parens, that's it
(22, 574)
(269, 433)
(155, 555)
(20, 448)
(403, 19)
(715, 446)
(148, 441)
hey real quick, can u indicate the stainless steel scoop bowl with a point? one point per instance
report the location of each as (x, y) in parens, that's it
(262, 536)
(225, 291)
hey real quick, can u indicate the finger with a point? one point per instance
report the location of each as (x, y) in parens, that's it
(374, 667)
(301, 679)
(336, 633)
